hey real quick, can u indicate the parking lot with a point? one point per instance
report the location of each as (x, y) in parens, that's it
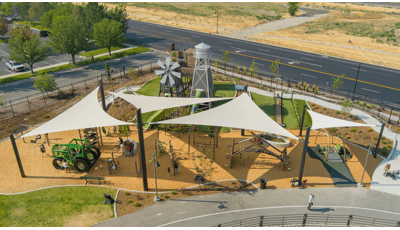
(50, 60)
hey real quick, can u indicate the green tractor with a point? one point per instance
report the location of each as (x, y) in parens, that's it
(79, 153)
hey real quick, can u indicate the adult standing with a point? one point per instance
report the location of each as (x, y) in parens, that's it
(310, 201)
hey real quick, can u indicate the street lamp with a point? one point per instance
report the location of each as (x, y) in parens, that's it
(217, 20)
(156, 165)
(355, 85)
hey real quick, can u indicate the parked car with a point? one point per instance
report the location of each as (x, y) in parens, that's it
(44, 33)
(12, 65)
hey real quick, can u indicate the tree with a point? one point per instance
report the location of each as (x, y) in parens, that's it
(27, 51)
(293, 7)
(347, 106)
(253, 69)
(34, 11)
(274, 66)
(93, 14)
(3, 26)
(1, 101)
(108, 33)
(119, 14)
(337, 83)
(226, 58)
(69, 36)
(45, 83)
(7, 8)
(21, 31)
(107, 68)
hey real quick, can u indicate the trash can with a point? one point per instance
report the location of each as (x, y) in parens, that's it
(263, 183)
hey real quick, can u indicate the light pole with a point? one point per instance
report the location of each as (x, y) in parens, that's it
(156, 165)
(217, 20)
(365, 166)
(327, 86)
(355, 85)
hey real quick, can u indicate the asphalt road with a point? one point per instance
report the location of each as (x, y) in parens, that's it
(374, 81)
(21, 89)
(211, 210)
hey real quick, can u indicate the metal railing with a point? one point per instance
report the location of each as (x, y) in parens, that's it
(325, 93)
(311, 220)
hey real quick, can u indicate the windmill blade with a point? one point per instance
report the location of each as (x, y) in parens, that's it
(171, 80)
(176, 74)
(164, 79)
(168, 61)
(175, 65)
(159, 63)
(159, 72)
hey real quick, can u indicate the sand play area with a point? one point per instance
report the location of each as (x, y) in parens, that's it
(252, 167)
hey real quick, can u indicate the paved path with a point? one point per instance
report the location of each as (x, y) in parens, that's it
(211, 210)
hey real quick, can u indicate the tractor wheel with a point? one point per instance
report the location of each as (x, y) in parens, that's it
(92, 157)
(97, 151)
(57, 163)
(81, 165)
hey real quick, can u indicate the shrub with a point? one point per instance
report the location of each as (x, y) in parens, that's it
(343, 112)
(46, 116)
(384, 152)
(364, 136)
(129, 201)
(312, 104)
(375, 138)
(357, 102)
(383, 138)
(389, 142)
(324, 108)
(173, 192)
(390, 147)
(350, 115)
(136, 204)
(212, 186)
(372, 105)
(127, 193)
(384, 148)
(384, 142)
(348, 136)
(337, 112)
(166, 196)
(355, 118)
(368, 106)
(339, 135)
(353, 130)
(370, 129)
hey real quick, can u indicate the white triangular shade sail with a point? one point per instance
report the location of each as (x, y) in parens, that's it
(149, 103)
(240, 113)
(87, 113)
(320, 121)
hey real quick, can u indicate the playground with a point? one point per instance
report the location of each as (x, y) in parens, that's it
(171, 153)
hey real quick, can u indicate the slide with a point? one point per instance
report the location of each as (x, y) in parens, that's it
(195, 107)
(158, 115)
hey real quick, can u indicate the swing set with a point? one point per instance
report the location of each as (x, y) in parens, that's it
(327, 147)
(254, 145)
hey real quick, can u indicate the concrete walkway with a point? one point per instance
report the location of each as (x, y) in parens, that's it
(211, 210)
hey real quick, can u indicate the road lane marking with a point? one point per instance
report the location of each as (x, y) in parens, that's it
(307, 75)
(260, 64)
(227, 43)
(56, 60)
(4, 52)
(293, 62)
(307, 59)
(8, 70)
(330, 74)
(46, 63)
(370, 90)
(360, 69)
(276, 56)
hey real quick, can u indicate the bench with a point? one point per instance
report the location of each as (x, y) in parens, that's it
(92, 178)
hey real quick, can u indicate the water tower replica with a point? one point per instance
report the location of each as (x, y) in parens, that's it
(202, 77)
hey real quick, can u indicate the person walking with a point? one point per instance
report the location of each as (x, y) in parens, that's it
(176, 167)
(310, 201)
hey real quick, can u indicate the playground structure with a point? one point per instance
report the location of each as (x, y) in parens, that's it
(78, 153)
(171, 81)
(255, 145)
(331, 150)
(128, 147)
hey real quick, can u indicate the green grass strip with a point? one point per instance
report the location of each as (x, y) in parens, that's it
(101, 51)
(125, 53)
(35, 25)
(289, 117)
(299, 106)
(266, 104)
(53, 207)
(151, 88)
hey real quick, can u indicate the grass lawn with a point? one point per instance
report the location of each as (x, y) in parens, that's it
(223, 89)
(35, 25)
(299, 105)
(56, 207)
(125, 53)
(151, 88)
(267, 104)
(101, 51)
(289, 114)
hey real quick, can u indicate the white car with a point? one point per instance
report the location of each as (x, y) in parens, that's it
(12, 65)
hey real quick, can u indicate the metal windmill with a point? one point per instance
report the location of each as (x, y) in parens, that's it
(169, 78)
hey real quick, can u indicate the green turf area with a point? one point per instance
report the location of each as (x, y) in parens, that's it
(35, 25)
(223, 89)
(266, 104)
(52, 207)
(101, 51)
(125, 53)
(151, 88)
(299, 105)
(289, 117)
(338, 171)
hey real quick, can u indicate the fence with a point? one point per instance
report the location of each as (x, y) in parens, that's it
(324, 92)
(311, 220)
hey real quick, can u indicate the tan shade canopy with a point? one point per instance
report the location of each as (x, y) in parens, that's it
(240, 113)
(87, 113)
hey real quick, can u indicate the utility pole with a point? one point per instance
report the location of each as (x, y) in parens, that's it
(355, 85)
(217, 21)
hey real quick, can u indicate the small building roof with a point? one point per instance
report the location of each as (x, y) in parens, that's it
(202, 46)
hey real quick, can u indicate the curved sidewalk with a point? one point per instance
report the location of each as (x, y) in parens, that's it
(379, 182)
(211, 210)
